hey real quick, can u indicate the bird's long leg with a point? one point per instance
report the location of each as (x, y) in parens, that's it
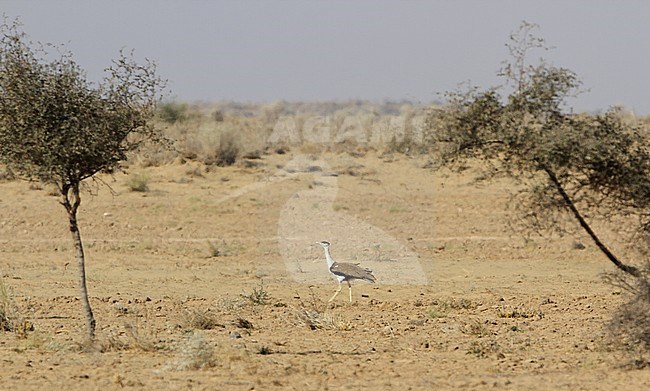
(350, 289)
(337, 292)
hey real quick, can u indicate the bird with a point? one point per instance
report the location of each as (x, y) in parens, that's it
(345, 271)
(310, 214)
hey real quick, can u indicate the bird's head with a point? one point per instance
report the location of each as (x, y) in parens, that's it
(324, 243)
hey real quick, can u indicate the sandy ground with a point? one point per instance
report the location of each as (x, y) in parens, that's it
(212, 280)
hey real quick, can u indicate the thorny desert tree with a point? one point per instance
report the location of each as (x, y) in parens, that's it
(59, 128)
(586, 165)
(581, 164)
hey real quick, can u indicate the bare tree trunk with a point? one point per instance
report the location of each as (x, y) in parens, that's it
(71, 208)
(629, 269)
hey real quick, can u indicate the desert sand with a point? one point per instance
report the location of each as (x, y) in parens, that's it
(212, 280)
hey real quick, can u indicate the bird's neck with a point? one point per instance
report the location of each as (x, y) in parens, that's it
(330, 261)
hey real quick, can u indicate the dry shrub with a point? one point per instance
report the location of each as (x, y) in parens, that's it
(173, 112)
(7, 309)
(10, 318)
(259, 295)
(130, 339)
(312, 314)
(630, 324)
(483, 348)
(221, 133)
(228, 149)
(137, 340)
(194, 352)
(44, 342)
(476, 328)
(6, 174)
(200, 320)
(316, 320)
(138, 182)
(405, 145)
(520, 311)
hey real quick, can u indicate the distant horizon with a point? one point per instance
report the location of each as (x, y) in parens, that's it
(371, 50)
(365, 101)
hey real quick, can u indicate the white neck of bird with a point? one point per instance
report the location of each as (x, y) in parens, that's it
(330, 261)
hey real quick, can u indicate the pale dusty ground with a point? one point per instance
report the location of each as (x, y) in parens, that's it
(460, 302)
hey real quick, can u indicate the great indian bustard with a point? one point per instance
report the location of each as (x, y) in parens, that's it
(345, 271)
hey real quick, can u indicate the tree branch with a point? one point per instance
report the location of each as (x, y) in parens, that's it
(632, 270)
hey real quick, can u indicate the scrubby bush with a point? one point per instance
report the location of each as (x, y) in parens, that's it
(228, 149)
(173, 112)
(593, 168)
(138, 182)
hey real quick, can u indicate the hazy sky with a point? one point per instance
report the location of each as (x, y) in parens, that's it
(355, 49)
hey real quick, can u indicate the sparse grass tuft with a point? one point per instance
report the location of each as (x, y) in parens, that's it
(137, 340)
(511, 312)
(10, 320)
(442, 308)
(483, 349)
(476, 328)
(439, 310)
(215, 250)
(42, 342)
(313, 315)
(316, 320)
(132, 340)
(200, 320)
(259, 295)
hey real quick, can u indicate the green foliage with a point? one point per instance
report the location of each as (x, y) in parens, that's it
(59, 128)
(599, 161)
(589, 165)
(172, 112)
(56, 126)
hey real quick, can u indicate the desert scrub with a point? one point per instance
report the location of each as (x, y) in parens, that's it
(482, 349)
(194, 352)
(6, 308)
(521, 311)
(442, 308)
(228, 149)
(172, 112)
(199, 320)
(10, 318)
(475, 328)
(138, 182)
(316, 320)
(259, 295)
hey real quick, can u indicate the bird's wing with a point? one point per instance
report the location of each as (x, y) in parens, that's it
(352, 271)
